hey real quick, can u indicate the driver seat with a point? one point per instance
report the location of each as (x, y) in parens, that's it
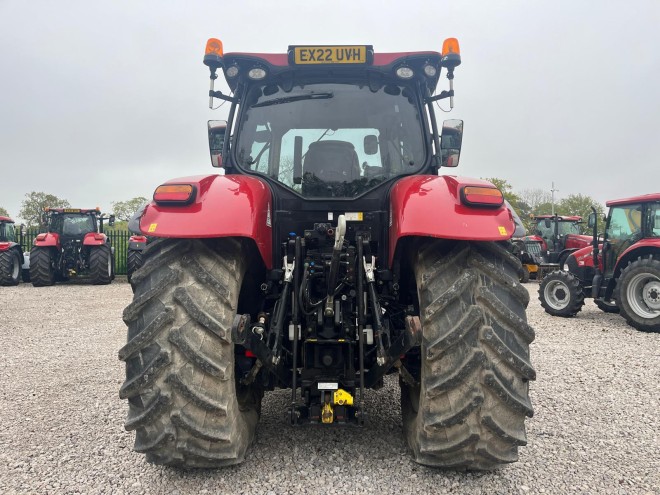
(331, 161)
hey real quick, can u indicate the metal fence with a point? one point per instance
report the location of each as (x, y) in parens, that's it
(119, 239)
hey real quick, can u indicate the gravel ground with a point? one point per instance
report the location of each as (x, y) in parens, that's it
(596, 427)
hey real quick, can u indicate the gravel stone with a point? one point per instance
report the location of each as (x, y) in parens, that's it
(595, 430)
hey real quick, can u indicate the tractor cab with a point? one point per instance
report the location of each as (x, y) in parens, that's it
(7, 231)
(628, 224)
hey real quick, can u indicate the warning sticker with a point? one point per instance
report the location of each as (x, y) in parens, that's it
(152, 227)
(502, 230)
(354, 216)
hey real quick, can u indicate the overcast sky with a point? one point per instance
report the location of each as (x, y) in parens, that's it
(103, 101)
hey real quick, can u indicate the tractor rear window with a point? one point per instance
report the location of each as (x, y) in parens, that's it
(75, 225)
(6, 232)
(351, 138)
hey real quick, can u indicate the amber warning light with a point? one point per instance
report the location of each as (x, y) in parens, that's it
(180, 194)
(481, 196)
(213, 53)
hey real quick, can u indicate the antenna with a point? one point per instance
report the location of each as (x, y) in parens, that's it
(553, 191)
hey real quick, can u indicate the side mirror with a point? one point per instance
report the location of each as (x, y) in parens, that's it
(547, 223)
(23, 229)
(591, 220)
(216, 129)
(44, 218)
(111, 221)
(370, 144)
(450, 142)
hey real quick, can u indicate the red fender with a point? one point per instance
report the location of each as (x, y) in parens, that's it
(6, 246)
(95, 239)
(47, 239)
(430, 206)
(647, 245)
(224, 206)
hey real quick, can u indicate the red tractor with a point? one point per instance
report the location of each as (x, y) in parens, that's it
(12, 258)
(329, 254)
(621, 271)
(559, 237)
(73, 245)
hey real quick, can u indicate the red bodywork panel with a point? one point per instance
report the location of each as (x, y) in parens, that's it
(6, 246)
(585, 256)
(560, 217)
(643, 243)
(430, 206)
(94, 239)
(645, 198)
(224, 206)
(48, 239)
(577, 241)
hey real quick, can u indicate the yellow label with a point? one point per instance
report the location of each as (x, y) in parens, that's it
(502, 230)
(152, 227)
(310, 55)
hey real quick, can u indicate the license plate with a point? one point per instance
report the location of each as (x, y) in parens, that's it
(313, 55)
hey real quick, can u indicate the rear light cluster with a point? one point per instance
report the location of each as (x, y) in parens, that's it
(481, 196)
(174, 194)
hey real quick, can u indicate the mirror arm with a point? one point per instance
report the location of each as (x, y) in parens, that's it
(443, 94)
(436, 141)
(219, 94)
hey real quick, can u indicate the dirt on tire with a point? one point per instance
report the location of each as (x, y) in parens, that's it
(184, 403)
(469, 408)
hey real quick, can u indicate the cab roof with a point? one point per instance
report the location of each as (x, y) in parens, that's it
(645, 198)
(6, 220)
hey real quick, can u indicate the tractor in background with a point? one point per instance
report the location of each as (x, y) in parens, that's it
(329, 254)
(73, 245)
(13, 261)
(621, 271)
(558, 236)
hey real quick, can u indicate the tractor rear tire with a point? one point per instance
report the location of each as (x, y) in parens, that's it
(10, 267)
(468, 409)
(42, 272)
(100, 265)
(607, 306)
(637, 293)
(561, 294)
(133, 262)
(184, 402)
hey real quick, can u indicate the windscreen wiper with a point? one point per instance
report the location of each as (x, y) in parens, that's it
(289, 99)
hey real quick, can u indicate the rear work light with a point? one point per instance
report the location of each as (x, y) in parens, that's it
(481, 196)
(174, 194)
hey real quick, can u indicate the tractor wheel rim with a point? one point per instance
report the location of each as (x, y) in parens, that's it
(644, 295)
(557, 294)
